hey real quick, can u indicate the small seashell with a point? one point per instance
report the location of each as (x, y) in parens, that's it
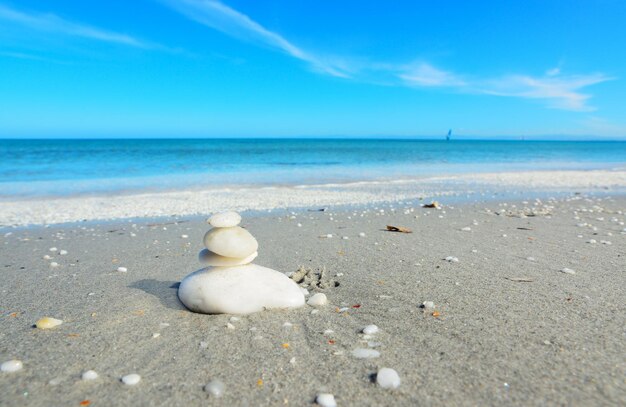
(370, 330)
(326, 400)
(317, 300)
(122, 269)
(11, 366)
(388, 378)
(567, 271)
(452, 259)
(363, 353)
(89, 375)
(215, 388)
(131, 379)
(48, 322)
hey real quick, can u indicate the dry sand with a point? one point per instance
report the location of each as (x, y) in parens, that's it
(557, 340)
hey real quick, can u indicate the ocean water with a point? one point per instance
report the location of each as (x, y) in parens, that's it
(35, 168)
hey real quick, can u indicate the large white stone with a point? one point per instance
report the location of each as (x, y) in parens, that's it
(212, 259)
(224, 220)
(238, 290)
(230, 242)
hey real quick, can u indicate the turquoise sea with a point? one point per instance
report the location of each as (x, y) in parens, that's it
(35, 168)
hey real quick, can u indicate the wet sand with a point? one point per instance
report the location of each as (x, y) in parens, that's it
(492, 339)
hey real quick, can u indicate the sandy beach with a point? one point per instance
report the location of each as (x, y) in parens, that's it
(508, 327)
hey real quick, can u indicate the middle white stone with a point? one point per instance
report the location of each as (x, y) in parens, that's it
(231, 242)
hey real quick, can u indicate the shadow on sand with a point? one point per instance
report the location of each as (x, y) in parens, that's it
(165, 291)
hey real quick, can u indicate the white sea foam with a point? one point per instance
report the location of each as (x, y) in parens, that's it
(19, 212)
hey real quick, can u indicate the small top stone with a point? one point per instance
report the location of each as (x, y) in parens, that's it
(224, 220)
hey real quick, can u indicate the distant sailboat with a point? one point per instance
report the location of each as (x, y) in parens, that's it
(449, 135)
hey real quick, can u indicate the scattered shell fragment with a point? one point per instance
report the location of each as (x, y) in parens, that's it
(122, 269)
(398, 229)
(428, 304)
(326, 400)
(131, 379)
(89, 375)
(520, 279)
(452, 259)
(388, 378)
(567, 271)
(466, 229)
(48, 322)
(11, 366)
(215, 388)
(362, 353)
(317, 300)
(370, 330)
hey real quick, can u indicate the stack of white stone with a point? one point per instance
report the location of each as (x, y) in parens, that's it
(232, 284)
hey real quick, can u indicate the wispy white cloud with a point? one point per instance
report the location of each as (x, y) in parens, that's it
(424, 74)
(219, 16)
(557, 90)
(54, 24)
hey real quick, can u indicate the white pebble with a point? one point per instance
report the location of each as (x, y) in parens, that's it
(53, 249)
(567, 271)
(361, 234)
(63, 252)
(326, 400)
(156, 335)
(299, 225)
(362, 353)
(215, 388)
(370, 330)
(287, 325)
(452, 259)
(131, 379)
(428, 304)
(47, 257)
(530, 258)
(317, 300)
(230, 326)
(122, 269)
(388, 378)
(592, 241)
(466, 229)
(90, 375)
(345, 238)
(11, 366)
(54, 264)
(184, 236)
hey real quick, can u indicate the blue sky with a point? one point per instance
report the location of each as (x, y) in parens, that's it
(188, 68)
